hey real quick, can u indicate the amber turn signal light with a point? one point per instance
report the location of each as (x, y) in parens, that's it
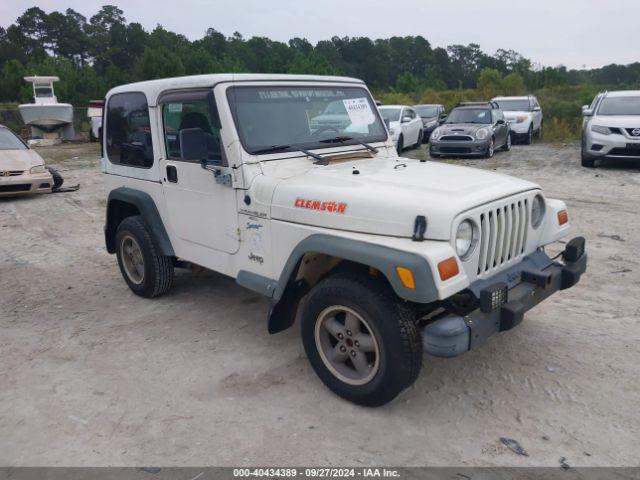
(448, 268)
(563, 217)
(406, 277)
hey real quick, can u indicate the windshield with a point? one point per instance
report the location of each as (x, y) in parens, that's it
(425, 111)
(8, 141)
(299, 116)
(514, 105)
(44, 92)
(390, 114)
(469, 115)
(619, 106)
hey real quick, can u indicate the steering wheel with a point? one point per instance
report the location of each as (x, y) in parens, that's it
(324, 129)
(317, 132)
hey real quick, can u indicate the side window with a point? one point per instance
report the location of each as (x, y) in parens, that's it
(188, 111)
(411, 113)
(494, 116)
(128, 135)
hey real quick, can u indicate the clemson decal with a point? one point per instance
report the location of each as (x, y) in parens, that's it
(333, 207)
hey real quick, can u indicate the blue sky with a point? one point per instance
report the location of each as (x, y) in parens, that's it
(574, 33)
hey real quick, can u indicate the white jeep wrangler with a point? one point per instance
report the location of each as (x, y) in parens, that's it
(381, 257)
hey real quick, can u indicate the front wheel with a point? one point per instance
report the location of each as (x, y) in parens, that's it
(528, 140)
(360, 340)
(400, 145)
(586, 160)
(147, 272)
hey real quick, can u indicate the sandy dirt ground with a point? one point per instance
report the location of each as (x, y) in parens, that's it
(90, 374)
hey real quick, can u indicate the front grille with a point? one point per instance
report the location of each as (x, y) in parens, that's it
(15, 188)
(625, 152)
(503, 234)
(10, 173)
(454, 150)
(631, 130)
(456, 138)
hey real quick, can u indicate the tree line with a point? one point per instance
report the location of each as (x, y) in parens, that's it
(91, 55)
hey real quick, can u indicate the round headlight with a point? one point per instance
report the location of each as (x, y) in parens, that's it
(537, 211)
(465, 239)
(482, 134)
(435, 134)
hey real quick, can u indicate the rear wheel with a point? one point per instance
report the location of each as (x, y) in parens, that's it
(147, 272)
(361, 341)
(491, 149)
(507, 144)
(420, 135)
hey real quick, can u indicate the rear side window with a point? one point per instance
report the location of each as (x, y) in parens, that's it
(128, 135)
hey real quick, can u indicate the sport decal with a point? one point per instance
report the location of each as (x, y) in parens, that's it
(334, 207)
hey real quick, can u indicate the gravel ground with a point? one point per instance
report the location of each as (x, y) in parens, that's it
(92, 375)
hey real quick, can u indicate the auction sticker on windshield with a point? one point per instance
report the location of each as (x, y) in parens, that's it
(359, 111)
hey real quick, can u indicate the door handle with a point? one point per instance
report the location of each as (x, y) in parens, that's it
(172, 174)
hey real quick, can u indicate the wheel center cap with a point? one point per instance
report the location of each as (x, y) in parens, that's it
(349, 342)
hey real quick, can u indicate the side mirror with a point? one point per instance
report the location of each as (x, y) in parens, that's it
(441, 118)
(587, 112)
(193, 144)
(406, 119)
(500, 121)
(537, 109)
(584, 107)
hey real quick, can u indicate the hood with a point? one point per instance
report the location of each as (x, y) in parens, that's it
(461, 128)
(387, 195)
(19, 159)
(620, 121)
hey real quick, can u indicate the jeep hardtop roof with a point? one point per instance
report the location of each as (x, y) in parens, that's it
(153, 88)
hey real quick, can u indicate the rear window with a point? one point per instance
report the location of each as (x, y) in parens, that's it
(128, 135)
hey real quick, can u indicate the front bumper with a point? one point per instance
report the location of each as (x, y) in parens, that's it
(612, 146)
(458, 148)
(503, 300)
(520, 129)
(25, 184)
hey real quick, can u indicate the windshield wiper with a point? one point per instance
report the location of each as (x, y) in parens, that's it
(347, 138)
(281, 148)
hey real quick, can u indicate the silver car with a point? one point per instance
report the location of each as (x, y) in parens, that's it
(611, 129)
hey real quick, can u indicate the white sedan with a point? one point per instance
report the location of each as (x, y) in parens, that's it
(405, 125)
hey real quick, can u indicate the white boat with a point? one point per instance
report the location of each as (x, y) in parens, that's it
(45, 115)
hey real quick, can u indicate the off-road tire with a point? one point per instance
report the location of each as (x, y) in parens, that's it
(392, 324)
(400, 145)
(158, 268)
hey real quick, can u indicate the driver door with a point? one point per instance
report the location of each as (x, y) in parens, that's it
(202, 208)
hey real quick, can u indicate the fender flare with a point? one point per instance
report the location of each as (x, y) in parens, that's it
(143, 202)
(286, 291)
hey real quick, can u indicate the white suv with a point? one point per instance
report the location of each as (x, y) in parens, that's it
(611, 127)
(380, 257)
(524, 115)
